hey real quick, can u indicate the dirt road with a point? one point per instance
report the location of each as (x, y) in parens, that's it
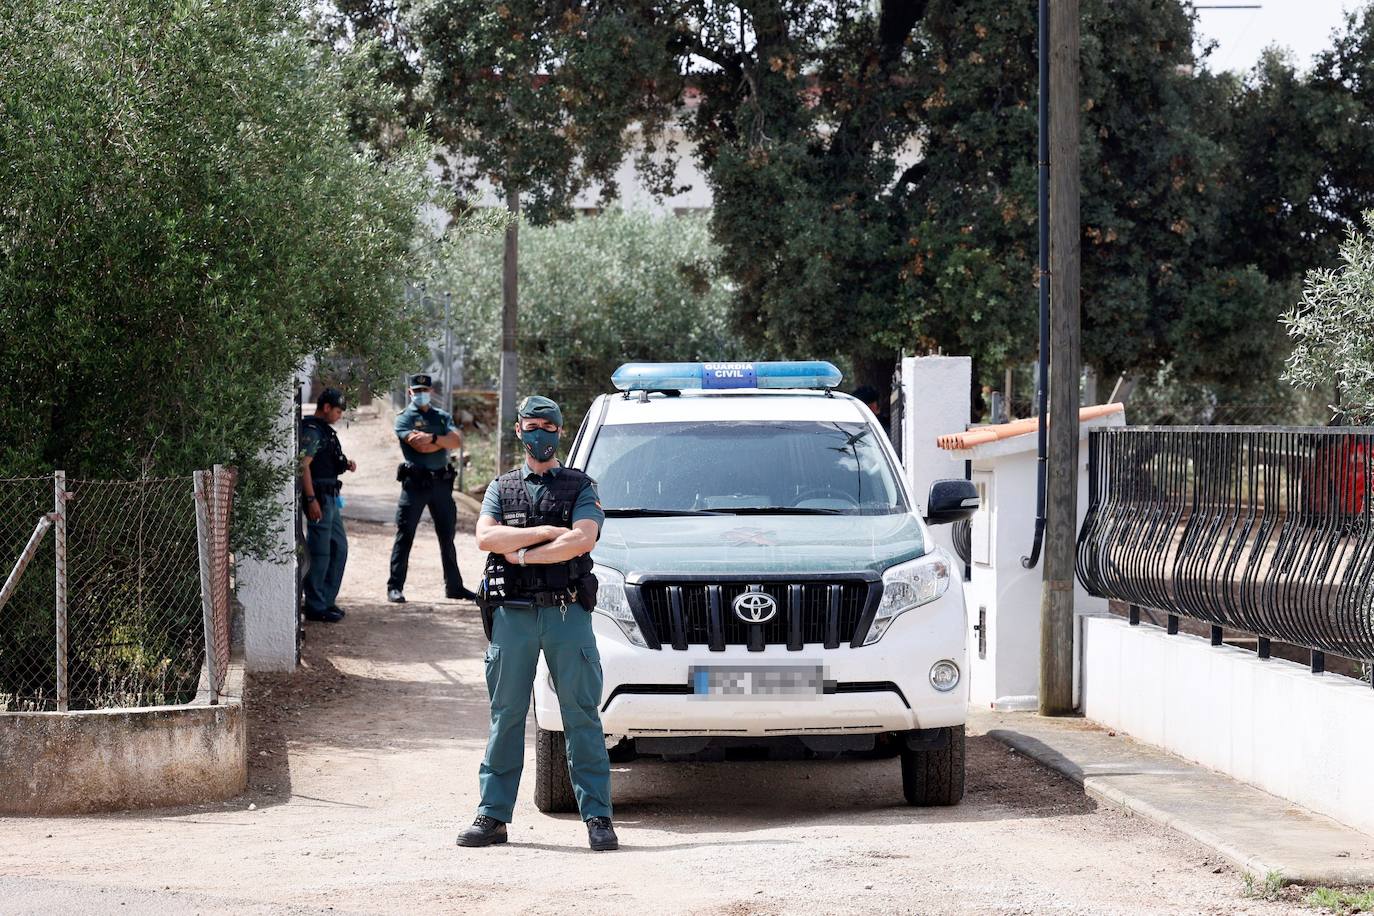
(364, 766)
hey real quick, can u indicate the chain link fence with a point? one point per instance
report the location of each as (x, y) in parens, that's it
(113, 591)
(28, 634)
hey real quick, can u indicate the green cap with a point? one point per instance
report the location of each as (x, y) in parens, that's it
(539, 408)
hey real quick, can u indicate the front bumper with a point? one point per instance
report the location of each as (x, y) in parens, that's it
(879, 688)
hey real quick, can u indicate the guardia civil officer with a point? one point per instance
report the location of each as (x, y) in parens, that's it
(322, 464)
(540, 523)
(426, 434)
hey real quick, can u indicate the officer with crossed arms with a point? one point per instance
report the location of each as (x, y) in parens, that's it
(426, 434)
(540, 522)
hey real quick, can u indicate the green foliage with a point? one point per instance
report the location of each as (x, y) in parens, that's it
(538, 97)
(873, 165)
(184, 217)
(594, 292)
(900, 187)
(1269, 889)
(1341, 901)
(1333, 328)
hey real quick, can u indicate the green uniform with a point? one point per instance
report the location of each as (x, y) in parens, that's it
(432, 489)
(430, 420)
(564, 634)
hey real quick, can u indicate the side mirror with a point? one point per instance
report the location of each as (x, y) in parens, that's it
(951, 501)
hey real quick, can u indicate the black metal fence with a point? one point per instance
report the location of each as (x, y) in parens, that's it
(1263, 529)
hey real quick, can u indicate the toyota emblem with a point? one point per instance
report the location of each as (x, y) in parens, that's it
(755, 607)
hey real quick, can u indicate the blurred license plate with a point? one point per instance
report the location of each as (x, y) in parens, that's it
(759, 681)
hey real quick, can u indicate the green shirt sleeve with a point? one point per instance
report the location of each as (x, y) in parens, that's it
(588, 505)
(310, 441)
(405, 422)
(491, 502)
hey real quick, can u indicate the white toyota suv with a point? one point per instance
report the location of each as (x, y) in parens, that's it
(765, 580)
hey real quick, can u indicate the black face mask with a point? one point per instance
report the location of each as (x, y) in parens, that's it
(541, 444)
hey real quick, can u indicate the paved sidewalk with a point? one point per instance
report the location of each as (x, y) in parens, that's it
(1254, 830)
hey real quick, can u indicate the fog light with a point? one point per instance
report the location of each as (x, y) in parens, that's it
(944, 676)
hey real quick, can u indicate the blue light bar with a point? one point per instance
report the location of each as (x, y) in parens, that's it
(683, 376)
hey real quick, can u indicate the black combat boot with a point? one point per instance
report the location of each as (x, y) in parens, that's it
(601, 835)
(485, 831)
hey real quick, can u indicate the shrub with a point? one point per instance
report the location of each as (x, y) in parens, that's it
(594, 292)
(182, 218)
(1333, 329)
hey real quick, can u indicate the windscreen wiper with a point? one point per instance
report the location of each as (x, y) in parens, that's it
(642, 512)
(777, 510)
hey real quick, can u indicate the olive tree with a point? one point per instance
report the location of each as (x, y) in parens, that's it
(597, 291)
(183, 217)
(1333, 328)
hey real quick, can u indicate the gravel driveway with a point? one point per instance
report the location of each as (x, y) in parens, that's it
(364, 766)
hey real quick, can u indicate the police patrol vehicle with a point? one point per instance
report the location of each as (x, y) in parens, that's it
(766, 579)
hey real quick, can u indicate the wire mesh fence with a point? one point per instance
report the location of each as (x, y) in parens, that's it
(107, 601)
(28, 632)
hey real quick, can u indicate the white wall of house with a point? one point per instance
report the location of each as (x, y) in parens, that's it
(694, 194)
(1272, 723)
(1002, 596)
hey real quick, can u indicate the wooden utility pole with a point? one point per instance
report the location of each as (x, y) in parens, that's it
(1061, 493)
(510, 292)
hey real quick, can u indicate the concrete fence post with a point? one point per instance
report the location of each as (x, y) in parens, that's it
(203, 493)
(59, 485)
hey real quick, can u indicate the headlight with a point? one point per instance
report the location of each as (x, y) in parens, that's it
(611, 601)
(907, 586)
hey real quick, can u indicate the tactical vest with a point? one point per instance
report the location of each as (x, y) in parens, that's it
(329, 462)
(555, 508)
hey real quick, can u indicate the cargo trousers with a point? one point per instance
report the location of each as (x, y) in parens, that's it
(565, 636)
(327, 543)
(416, 496)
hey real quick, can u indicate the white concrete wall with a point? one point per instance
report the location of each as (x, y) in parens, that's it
(267, 587)
(1307, 738)
(936, 393)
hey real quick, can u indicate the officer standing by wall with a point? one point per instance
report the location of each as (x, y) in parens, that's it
(426, 434)
(322, 464)
(540, 522)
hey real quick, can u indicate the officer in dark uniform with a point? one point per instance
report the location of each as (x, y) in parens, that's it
(540, 523)
(322, 464)
(426, 434)
(873, 401)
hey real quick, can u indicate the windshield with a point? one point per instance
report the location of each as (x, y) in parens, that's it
(781, 467)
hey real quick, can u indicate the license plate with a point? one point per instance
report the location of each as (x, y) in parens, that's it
(758, 681)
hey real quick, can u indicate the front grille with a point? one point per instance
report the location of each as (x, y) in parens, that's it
(685, 614)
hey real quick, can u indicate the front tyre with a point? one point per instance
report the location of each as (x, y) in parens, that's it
(935, 776)
(553, 791)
